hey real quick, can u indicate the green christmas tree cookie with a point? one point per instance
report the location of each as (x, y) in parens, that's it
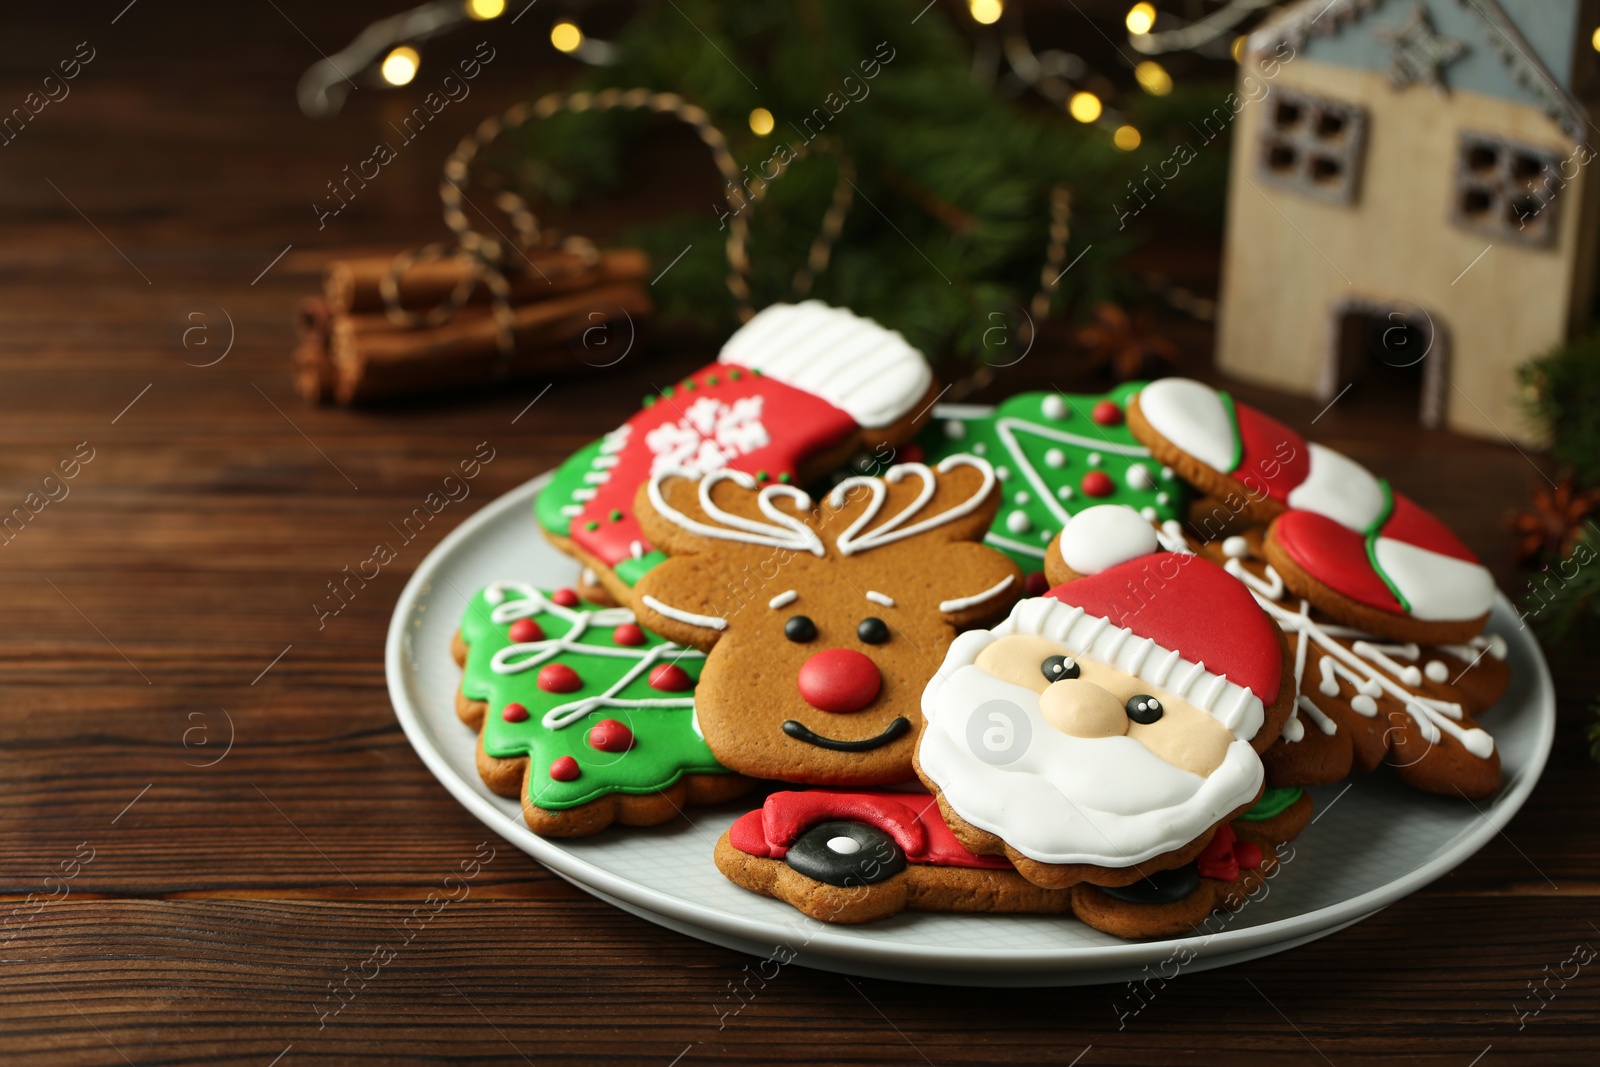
(1055, 453)
(583, 714)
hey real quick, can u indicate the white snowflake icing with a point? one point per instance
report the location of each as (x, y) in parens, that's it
(710, 434)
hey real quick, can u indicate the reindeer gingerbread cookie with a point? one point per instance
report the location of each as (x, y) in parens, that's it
(1107, 730)
(821, 621)
(796, 392)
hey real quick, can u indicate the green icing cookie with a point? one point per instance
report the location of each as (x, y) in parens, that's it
(1274, 801)
(1055, 453)
(613, 681)
(572, 484)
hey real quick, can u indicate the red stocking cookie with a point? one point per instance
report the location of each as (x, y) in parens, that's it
(795, 393)
(822, 621)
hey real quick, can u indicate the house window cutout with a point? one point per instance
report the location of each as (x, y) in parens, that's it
(1390, 356)
(1506, 190)
(1313, 145)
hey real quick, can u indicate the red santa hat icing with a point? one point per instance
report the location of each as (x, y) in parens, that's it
(1175, 620)
(1355, 535)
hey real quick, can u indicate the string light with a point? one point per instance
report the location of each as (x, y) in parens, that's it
(566, 37)
(987, 12)
(1084, 106)
(1238, 47)
(400, 65)
(1153, 78)
(1126, 138)
(1141, 18)
(484, 10)
(1595, 40)
(761, 122)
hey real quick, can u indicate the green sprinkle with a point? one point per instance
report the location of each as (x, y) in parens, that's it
(667, 391)
(734, 376)
(711, 379)
(591, 525)
(784, 477)
(762, 476)
(649, 400)
(616, 516)
(755, 372)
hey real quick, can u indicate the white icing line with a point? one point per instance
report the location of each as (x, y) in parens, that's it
(857, 538)
(880, 598)
(710, 622)
(963, 603)
(785, 531)
(783, 599)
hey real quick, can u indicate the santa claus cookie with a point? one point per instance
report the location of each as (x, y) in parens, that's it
(822, 620)
(1105, 730)
(1055, 454)
(582, 714)
(1340, 537)
(1362, 700)
(796, 392)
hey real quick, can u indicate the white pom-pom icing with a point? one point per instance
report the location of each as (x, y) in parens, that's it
(1105, 535)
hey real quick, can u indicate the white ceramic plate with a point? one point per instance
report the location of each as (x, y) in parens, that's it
(1371, 844)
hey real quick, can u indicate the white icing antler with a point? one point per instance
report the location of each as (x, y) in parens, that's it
(859, 539)
(784, 531)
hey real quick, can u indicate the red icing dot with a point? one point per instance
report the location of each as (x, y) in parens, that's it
(839, 680)
(628, 634)
(609, 735)
(1248, 854)
(564, 769)
(559, 678)
(1097, 483)
(514, 713)
(670, 678)
(565, 597)
(1106, 413)
(1035, 584)
(911, 453)
(526, 630)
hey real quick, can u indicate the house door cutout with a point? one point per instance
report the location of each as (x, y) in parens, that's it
(1389, 355)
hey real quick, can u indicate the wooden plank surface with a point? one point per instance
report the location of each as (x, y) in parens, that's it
(185, 913)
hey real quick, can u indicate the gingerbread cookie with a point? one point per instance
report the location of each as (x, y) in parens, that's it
(583, 714)
(822, 621)
(1104, 731)
(1340, 537)
(796, 392)
(1055, 453)
(1362, 701)
(855, 857)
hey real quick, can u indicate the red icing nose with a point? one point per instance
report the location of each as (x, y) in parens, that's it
(839, 680)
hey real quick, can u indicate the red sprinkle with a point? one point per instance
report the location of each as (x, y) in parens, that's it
(670, 678)
(565, 597)
(1098, 483)
(514, 713)
(526, 630)
(1035, 584)
(1248, 854)
(628, 634)
(559, 678)
(564, 769)
(609, 735)
(1106, 413)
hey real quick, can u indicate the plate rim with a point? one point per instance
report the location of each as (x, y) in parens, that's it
(828, 941)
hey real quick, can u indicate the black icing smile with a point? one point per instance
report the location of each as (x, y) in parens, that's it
(894, 731)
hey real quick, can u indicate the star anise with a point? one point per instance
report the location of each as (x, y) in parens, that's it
(1124, 344)
(1551, 526)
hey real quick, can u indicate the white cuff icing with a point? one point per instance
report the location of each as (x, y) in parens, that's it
(869, 372)
(1438, 587)
(1193, 417)
(1340, 488)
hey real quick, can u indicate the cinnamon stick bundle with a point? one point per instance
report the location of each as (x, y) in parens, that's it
(372, 359)
(351, 286)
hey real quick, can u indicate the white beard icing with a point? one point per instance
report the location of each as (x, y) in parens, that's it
(1065, 799)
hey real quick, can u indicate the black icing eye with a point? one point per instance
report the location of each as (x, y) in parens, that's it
(1059, 668)
(800, 629)
(874, 631)
(846, 854)
(1144, 709)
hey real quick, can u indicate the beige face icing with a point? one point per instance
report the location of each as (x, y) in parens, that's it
(1093, 704)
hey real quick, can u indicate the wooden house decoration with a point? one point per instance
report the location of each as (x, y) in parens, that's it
(1411, 186)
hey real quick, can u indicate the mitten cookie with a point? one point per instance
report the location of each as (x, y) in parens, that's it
(855, 857)
(796, 392)
(1340, 537)
(1362, 701)
(1055, 454)
(1105, 730)
(822, 622)
(583, 714)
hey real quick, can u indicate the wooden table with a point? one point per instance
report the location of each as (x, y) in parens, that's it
(206, 793)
